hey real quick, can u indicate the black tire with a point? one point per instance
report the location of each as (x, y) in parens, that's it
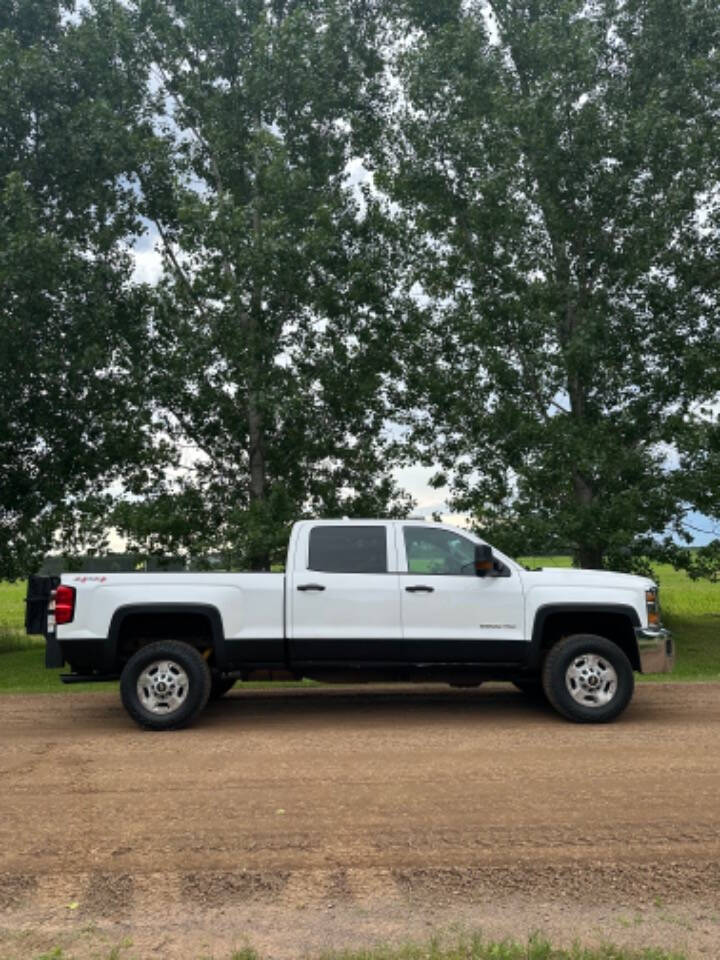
(187, 664)
(219, 686)
(590, 705)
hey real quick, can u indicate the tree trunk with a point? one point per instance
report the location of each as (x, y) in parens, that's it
(589, 557)
(259, 555)
(259, 558)
(256, 454)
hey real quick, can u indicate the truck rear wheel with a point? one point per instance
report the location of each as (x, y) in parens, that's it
(588, 679)
(165, 685)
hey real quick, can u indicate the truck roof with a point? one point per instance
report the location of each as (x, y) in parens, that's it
(366, 520)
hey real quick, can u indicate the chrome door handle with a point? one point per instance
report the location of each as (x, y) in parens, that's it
(420, 588)
(311, 586)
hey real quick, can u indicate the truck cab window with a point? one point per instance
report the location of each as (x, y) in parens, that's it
(348, 549)
(438, 552)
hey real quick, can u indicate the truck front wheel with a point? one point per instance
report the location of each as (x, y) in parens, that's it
(587, 678)
(165, 685)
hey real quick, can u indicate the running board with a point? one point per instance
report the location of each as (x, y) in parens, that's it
(90, 678)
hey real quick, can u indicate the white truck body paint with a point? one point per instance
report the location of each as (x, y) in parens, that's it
(358, 605)
(250, 604)
(351, 605)
(564, 585)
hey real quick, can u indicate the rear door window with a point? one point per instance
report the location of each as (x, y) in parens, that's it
(348, 549)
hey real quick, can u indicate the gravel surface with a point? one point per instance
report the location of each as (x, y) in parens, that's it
(298, 820)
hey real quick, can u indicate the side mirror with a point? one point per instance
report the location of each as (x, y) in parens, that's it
(484, 561)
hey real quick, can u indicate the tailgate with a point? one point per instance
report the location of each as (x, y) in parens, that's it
(36, 616)
(36, 603)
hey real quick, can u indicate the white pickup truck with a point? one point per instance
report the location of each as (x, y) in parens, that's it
(361, 600)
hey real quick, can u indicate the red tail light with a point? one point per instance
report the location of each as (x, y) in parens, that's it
(64, 604)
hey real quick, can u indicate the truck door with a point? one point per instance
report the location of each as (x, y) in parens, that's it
(449, 613)
(343, 600)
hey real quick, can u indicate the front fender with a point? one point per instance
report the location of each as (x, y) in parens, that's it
(587, 614)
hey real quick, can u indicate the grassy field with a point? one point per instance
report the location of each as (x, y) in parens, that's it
(690, 608)
(22, 658)
(479, 949)
(475, 948)
(12, 616)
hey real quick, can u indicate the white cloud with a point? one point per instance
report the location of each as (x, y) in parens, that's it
(428, 500)
(148, 265)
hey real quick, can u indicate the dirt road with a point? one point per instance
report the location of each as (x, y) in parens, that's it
(298, 820)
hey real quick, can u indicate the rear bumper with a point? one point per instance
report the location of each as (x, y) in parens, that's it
(86, 656)
(656, 649)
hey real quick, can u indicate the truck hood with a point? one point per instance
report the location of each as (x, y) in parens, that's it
(588, 578)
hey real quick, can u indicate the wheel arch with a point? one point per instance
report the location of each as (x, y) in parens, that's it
(614, 622)
(156, 613)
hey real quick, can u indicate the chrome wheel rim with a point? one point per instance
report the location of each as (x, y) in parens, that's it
(162, 687)
(591, 680)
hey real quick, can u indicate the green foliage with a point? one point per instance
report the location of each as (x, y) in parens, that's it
(72, 411)
(560, 175)
(274, 323)
(554, 177)
(705, 562)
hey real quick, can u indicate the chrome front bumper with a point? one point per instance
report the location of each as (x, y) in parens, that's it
(656, 648)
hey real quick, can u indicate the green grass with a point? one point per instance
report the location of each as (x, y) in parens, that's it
(22, 658)
(475, 948)
(12, 604)
(23, 671)
(12, 618)
(690, 608)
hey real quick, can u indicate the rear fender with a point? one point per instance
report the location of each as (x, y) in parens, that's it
(210, 613)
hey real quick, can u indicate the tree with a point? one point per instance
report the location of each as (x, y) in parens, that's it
(559, 163)
(73, 413)
(273, 327)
